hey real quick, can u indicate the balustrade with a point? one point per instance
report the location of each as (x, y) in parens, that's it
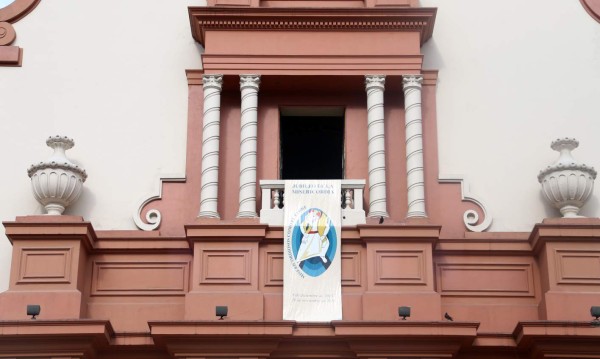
(273, 202)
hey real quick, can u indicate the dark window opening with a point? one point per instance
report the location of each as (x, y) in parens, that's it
(312, 147)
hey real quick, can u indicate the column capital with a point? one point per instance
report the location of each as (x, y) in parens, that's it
(375, 82)
(212, 81)
(412, 81)
(249, 80)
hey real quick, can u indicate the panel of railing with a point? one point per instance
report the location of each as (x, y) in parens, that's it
(273, 202)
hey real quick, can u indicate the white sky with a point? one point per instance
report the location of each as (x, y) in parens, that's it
(3, 3)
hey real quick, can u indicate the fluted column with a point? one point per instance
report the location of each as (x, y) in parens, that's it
(248, 142)
(414, 146)
(375, 85)
(213, 85)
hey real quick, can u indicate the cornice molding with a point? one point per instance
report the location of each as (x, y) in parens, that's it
(237, 230)
(404, 232)
(554, 339)
(44, 227)
(79, 338)
(564, 230)
(322, 19)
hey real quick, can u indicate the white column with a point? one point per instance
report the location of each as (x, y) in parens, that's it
(209, 192)
(375, 85)
(414, 146)
(248, 142)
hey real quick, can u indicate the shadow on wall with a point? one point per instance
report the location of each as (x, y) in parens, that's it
(200, 48)
(549, 210)
(83, 206)
(589, 208)
(592, 206)
(433, 58)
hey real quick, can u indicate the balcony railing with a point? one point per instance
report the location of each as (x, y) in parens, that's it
(273, 202)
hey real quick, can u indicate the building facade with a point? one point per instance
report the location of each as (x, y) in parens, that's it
(358, 90)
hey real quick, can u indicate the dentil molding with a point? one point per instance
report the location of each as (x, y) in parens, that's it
(322, 19)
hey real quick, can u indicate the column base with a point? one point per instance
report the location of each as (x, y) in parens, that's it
(416, 214)
(246, 214)
(209, 214)
(378, 214)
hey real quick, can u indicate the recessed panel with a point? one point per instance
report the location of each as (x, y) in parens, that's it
(484, 279)
(132, 278)
(351, 269)
(226, 267)
(578, 267)
(400, 267)
(39, 265)
(274, 273)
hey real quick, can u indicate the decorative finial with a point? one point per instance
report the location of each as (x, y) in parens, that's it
(57, 182)
(567, 184)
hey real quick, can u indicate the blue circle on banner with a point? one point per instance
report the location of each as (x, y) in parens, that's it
(314, 242)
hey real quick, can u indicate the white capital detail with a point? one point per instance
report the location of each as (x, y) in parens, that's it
(375, 85)
(249, 85)
(213, 85)
(212, 82)
(414, 145)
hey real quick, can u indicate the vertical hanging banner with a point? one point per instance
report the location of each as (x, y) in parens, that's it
(312, 272)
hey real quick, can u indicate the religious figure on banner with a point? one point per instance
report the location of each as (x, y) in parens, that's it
(315, 242)
(312, 284)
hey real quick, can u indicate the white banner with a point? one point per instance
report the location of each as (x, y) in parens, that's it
(312, 272)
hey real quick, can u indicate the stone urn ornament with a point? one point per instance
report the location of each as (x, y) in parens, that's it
(57, 182)
(567, 184)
